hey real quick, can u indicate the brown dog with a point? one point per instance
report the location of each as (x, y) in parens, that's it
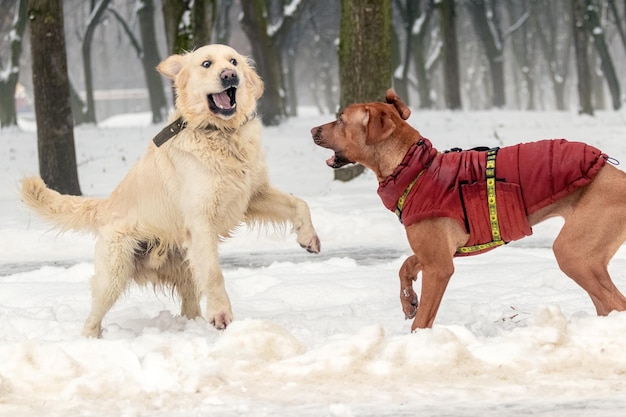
(448, 211)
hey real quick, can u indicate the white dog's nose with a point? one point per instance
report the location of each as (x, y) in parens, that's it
(229, 78)
(228, 73)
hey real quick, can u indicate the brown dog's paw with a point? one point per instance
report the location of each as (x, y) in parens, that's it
(409, 301)
(408, 273)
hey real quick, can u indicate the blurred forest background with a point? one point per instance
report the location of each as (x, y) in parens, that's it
(515, 54)
(66, 63)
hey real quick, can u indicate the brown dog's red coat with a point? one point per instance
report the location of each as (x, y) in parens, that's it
(377, 136)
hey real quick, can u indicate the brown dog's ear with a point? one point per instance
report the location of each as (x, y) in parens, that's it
(378, 125)
(401, 107)
(171, 66)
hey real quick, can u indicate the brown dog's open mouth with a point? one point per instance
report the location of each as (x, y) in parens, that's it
(338, 160)
(224, 103)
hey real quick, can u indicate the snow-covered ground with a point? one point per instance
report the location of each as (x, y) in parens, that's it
(315, 335)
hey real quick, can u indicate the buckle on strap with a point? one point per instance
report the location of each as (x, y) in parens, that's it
(496, 238)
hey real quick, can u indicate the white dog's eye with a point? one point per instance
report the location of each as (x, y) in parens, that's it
(206, 64)
(233, 61)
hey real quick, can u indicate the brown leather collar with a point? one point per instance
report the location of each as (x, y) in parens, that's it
(169, 131)
(179, 124)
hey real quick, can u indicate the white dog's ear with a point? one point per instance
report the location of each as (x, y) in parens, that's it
(254, 83)
(171, 66)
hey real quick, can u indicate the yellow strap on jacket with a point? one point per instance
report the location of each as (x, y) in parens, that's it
(490, 174)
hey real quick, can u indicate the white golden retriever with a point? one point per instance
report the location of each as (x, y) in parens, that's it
(200, 178)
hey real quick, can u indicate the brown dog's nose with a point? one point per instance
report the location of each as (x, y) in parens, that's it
(316, 133)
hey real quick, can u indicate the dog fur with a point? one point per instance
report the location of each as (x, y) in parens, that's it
(377, 136)
(163, 222)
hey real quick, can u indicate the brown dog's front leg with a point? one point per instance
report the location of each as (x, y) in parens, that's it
(434, 241)
(434, 282)
(408, 298)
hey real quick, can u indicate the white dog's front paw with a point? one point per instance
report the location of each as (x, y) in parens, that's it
(308, 240)
(92, 329)
(221, 319)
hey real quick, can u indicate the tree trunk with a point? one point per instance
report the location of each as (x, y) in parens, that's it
(486, 28)
(582, 59)
(592, 23)
(94, 20)
(419, 51)
(414, 24)
(150, 59)
(188, 24)
(519, 13)
(55, 130)
(183, 33)
(175, 34)
(619, 22)
(268, 60)
(597, 81)
(148, 55)
(8, 113)
(292, 83)
(452, 83)
(204, 16)
(9, 77)
(222, 22)
(323, 88)
(399, 63)
(365, 70)
(78, 105)
(548, 18)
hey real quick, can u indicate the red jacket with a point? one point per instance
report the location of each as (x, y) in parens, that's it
(529, 177)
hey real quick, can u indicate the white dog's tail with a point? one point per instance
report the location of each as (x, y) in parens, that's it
(68, 212)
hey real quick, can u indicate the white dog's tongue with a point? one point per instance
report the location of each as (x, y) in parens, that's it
(222, 100)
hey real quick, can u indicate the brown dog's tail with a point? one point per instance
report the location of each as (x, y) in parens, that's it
(67, 212)
(401, 107)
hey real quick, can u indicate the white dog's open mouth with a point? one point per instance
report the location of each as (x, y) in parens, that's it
(224, 103)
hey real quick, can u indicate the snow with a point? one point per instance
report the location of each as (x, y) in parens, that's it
(418, 24)
(290, 8)
(314, 335)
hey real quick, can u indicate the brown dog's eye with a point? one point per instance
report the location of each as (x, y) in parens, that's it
(233, 61)
(206, 64)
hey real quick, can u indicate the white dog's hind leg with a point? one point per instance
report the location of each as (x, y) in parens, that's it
(176, 271)
(275, 206)
(114, 268)
(189, 295)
